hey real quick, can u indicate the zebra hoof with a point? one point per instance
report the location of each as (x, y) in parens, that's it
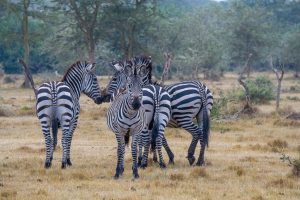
(191, 160)
(117, 176)
(162, 165)
(171, 162)
(144, 165)
(63, 165)
(136, 176)
(69, 162)
(47, 165)
(200, 163)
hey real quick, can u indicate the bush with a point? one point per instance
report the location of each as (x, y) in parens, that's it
(226, 105)
(8, 79)
(294, 163)
(261, 89)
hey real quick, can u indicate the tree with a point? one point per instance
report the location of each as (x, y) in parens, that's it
(292, 49)
(247, 27)
(25, 32)
(279, 77)
(129, 24)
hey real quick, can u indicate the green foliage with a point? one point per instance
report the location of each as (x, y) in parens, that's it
(204, 36)
(226, 104)
(261, 89)
(8, 79)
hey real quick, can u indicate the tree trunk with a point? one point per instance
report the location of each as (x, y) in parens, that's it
(26, 83)
(248, 70)
(278, 94)
(243, 84)
(279, 77)
(296, 73)
(165, 74)
(91, 47)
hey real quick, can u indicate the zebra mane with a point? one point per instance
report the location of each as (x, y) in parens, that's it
(74, 65)
(157, 83)
(144, 60)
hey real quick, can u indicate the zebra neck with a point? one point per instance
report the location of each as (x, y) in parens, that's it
(75, 84)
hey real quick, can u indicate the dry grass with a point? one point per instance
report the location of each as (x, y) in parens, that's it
(240, 162)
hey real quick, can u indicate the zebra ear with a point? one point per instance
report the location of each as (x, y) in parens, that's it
(91, 67)
(117, 66)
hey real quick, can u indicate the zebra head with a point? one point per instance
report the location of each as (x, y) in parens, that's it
(127, 79)
(90, 85)
(118, 80)
(143, 67)
(134, 88)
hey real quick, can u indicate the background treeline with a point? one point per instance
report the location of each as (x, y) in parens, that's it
(201, 35)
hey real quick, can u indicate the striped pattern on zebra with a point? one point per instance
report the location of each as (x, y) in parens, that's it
(126, 114)
(188, 100)
(57, 104)
(156, 102)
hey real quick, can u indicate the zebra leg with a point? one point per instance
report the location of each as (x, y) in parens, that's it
(158, 147)
(49, 147)
(140, 149)
(146, 145)
(134, 157)
(194, 130)
(121, 152)
(69, 140)
(154, 155)
(200, 161)
(168, 150)
(64, 142)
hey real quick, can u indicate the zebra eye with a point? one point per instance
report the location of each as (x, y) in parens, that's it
(143, 70)
(128, 71)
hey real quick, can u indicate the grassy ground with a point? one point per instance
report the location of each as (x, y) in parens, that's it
(243, 160)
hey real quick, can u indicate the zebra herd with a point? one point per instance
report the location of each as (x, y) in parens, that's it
(139, 108)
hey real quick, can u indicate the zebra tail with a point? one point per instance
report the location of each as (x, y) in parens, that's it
(206, 125)
(126, 138)
(54, 132)
(155, 129)
(28, 74)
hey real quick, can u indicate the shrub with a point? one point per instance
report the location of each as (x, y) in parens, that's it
(294, 163)
(5, 112)
(8, 79)
(261, 89)
(226, 105)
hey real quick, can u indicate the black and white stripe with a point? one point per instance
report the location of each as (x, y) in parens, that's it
(58, 105)
(126, 116)
(157, 105)
(189, 100)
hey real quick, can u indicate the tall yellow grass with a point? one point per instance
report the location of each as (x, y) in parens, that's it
(243, 160)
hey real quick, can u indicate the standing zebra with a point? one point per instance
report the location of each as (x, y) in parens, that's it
(126, 115)
(189, 100)
(58, 104)
(157, 105)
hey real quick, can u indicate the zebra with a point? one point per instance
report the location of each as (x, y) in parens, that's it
(189, 99)
(157, 105)
(57, 104)
(127, 116)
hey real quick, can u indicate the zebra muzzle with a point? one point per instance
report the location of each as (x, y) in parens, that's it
(136, 104)
(99, 100)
